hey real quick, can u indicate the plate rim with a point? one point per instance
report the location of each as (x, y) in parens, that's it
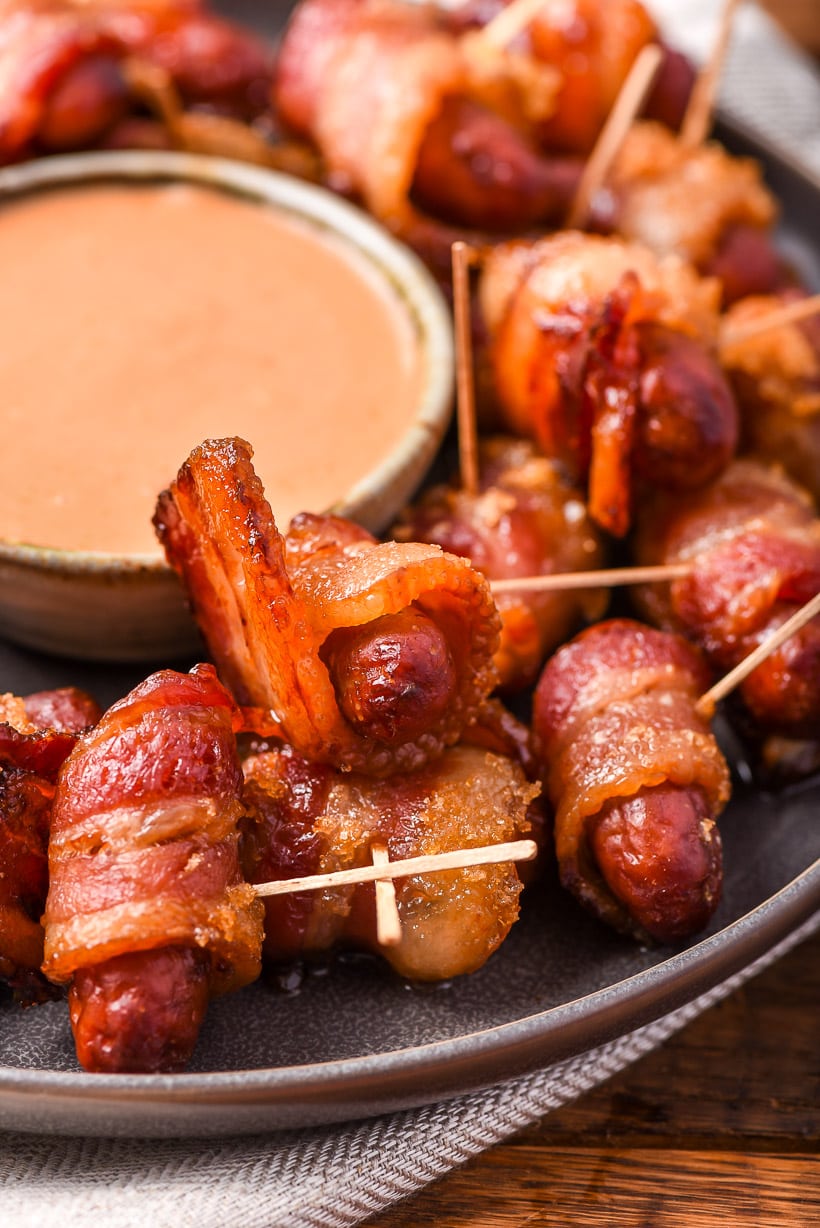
(355, 1088)
(369, 1084)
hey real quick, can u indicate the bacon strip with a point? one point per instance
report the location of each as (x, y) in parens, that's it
(776, 378)
(701, 204)
(147, 913)
(603, 353)
(61, 84)
(36, 735)
(527, 520)
(681, 201)
(365, 79)
(614, 718)
(305, 819)
(210, 60)
(38, 45)
(591, 46)
(753, 539)
(25, 808)
(268, 605)
(143, 848)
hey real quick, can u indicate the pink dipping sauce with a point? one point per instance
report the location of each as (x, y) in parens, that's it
(138, 321)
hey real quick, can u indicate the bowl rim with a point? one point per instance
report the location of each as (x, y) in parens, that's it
(399, 269)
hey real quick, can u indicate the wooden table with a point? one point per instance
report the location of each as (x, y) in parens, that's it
(799, 18)
(718, 1127)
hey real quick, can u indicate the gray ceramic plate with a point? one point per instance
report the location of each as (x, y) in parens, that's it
(354, 1040)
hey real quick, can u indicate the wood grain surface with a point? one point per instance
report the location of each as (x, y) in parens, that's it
(799, 18)
(718, 1127)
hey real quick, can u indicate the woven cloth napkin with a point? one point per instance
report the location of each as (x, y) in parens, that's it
(339, 1175)
(325, 1178)
(768, 83)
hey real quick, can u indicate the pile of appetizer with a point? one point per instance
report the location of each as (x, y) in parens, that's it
(648, 392)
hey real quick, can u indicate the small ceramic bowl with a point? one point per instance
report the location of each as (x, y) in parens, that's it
(111, 607)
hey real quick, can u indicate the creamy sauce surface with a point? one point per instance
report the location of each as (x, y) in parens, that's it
(136, 322)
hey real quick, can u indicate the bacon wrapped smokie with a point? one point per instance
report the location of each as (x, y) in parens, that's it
(308, 819)
(526, 520)
(36, 735)
(776, 378)
(592, 45)
(60, 82)
(365, 655)
(635, 776)
(410, 115)
(753, 541)
(699, 203)
(147, 914)
(604, 354)
(65, 81)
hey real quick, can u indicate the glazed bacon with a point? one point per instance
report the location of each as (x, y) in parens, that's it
(36, 734)
(363, 81)
(635, 776)
(38, 731)
(776, 378)
(65, 709)
(436, 127)
(365, 655)
(41, 46)
(147, 914)
(753, 540)
(25, 810)
(304, 818)
(64, 82)
(211, 61)
(604, 354)
(592, 46)
(409, 115)
(701, 204)
(527, 520)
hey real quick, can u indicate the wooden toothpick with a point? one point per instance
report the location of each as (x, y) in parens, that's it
(627, 106)
(458, 859)
(790, 313)
(504, 27)
(606, 577)
(206, 133)
(463, 257)
(698, 118)
(388, 921)
(708, 701)
(155, 88)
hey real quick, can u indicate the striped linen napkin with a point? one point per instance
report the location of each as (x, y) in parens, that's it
(333, 1177)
